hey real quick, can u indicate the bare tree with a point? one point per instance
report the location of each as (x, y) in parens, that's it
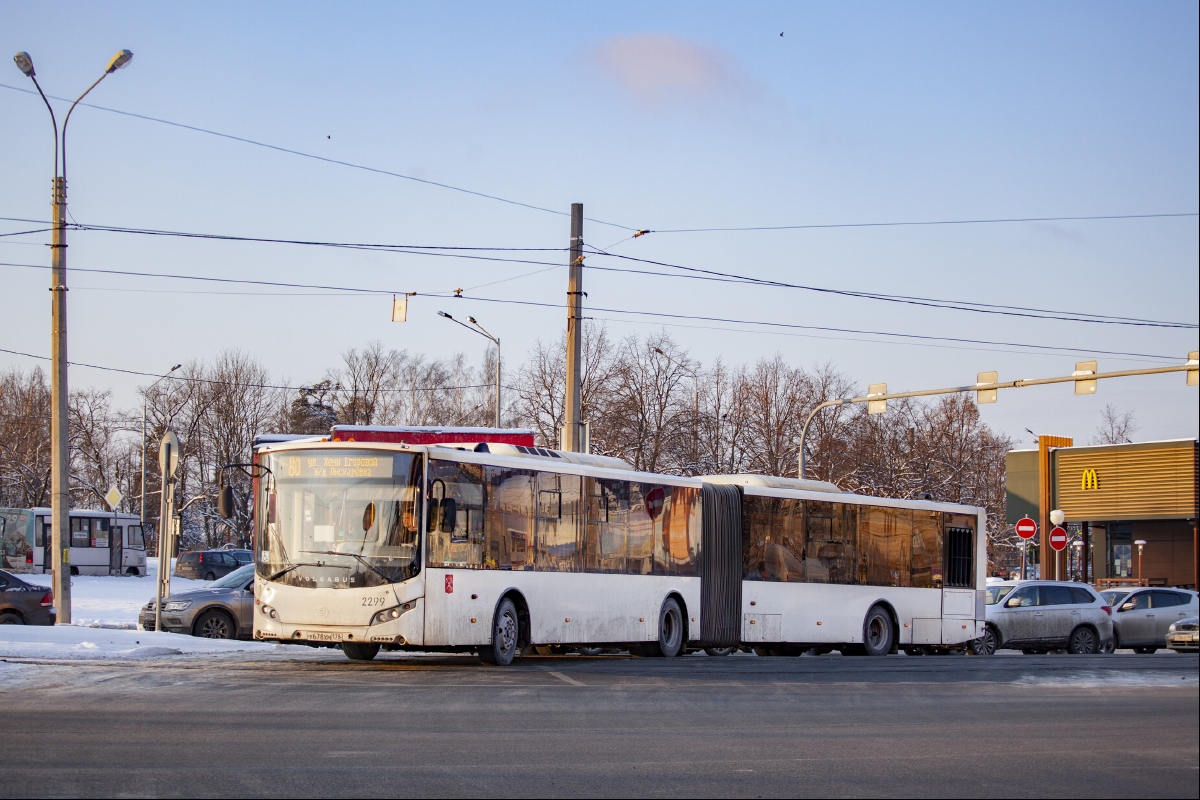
(1115, 427)
(24, 439)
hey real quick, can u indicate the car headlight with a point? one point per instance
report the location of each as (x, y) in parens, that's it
(177, 605)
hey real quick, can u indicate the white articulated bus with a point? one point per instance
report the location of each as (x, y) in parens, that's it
(101, 542)
(496, 547)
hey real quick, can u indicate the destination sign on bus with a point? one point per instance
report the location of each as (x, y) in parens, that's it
(338, 466)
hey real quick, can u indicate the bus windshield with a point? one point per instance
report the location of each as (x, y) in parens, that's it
(341, 519)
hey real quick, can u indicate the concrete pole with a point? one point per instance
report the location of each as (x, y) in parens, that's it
(572, 435)
(497, 382)
(60, 498)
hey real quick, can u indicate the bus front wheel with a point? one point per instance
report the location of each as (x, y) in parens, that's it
(506, 629)
(360, 651)
(877, 632)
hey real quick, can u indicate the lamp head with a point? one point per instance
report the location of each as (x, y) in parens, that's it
(119, 61)
(660, 352)
(24, 63)
(177, 366)
(1057, 516)
(1140, 542)
(444, 314)
(472, 320)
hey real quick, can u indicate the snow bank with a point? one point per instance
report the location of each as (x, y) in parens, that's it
(104, 602)
(78, 643)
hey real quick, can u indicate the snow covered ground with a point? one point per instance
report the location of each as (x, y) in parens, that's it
(104, 624)
(74, 643)
(103, 602)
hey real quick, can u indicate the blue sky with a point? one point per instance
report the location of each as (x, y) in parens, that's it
(661, 117)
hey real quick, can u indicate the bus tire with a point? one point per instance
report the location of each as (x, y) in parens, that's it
(74, 570)
(718, 651)
(132, 571)
(1145, 651)
(877, 632)
(360, 651)
(506, 629)
(670, 631)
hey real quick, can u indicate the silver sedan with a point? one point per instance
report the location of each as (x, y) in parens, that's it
(1141, 617)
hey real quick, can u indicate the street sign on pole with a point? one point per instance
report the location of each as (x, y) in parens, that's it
(1027, 528)
(1058, 539)
(876, 406)
(112, 497)
(168, 454)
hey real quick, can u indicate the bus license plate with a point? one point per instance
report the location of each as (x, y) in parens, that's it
(323, 637)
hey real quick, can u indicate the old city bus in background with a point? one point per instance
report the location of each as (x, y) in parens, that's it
(102, 543)
(371, 541)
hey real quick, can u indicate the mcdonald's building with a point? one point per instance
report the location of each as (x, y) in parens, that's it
(1131, 509)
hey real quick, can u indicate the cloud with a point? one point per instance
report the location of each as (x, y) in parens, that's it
(659, 70)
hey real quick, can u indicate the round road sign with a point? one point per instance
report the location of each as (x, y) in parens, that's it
(1026, 528)
(1058, 539)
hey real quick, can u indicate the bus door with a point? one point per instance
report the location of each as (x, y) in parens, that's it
(47, 536)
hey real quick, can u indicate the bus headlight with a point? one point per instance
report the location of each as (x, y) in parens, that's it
(389, 614)
(267, 611)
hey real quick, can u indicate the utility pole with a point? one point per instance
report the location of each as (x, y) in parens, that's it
(572, 438)
(60, 499)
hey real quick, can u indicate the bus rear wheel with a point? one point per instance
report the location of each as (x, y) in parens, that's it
(670, 631)
(506, 630)
(360, 651)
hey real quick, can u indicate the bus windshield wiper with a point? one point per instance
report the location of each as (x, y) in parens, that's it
(298, 564)
(362, 560)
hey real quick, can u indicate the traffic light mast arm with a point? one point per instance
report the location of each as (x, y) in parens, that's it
(1191, 365)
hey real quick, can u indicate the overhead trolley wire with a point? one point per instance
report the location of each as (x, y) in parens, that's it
(924, 223)
(325, 159)
(957, 305)
(209, 381)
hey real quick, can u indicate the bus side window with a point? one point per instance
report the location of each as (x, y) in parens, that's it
(133, 537)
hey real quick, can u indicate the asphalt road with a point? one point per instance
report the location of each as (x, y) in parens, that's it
(742, 726)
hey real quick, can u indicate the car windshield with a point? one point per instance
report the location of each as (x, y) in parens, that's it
(341, 519)
(994, 594)
(235, 579)
(1113, 597)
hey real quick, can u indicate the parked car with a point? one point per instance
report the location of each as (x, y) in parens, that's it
(1184, 635)
(242, 556)
(222, 610)
(1038, 616)
(1141, 617)
(207, 565)
(24, 603)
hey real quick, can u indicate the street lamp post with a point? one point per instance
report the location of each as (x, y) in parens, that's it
(142, 507)
(60, 501)
(1140, 544)
(480, 330)
(695, 405)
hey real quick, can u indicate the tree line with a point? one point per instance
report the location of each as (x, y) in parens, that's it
(647, 400)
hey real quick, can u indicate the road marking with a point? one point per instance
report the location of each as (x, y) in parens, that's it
(565, 679)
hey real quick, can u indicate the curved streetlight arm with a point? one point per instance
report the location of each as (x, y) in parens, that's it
(68, 120)
(804, 431)
(479, 329)
(53, 120)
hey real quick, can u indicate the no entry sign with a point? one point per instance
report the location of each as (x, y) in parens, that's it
(1026, 528)
(1058, 539)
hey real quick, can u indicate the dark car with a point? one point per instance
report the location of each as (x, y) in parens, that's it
(242, 556)
(24, 603)
(206, 565)
(224, 609)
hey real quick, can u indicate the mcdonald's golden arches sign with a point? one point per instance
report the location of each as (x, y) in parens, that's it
(1148, 480)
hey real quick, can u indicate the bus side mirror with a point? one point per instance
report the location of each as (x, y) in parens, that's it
(225, 502)
(449, 515)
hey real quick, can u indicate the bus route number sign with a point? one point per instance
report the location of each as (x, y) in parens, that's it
(1027, 528)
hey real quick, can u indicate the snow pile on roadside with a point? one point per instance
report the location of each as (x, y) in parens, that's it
(104, 602)
(78, 643)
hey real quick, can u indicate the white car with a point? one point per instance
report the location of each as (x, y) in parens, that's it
(1038, 616)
